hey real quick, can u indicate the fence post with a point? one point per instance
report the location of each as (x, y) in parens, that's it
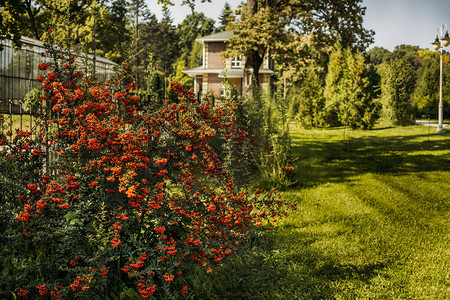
(10, 120)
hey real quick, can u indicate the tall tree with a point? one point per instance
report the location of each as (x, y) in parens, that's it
(196, 56)
(377, 55)
(408, 53)
(426, 92)
(160, 50)
(193, 26)
(115, 44)
(70, 20)
(280, 25)
(334, 78)
(307, 102)
(167, 48)
(136, 9)
(67, 17)
(397, 85)
(11, 21)
(346, 92)
(226, 17)
(32, 9)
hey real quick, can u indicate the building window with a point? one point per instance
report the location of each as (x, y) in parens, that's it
(272, 64)
(225, 91)
(236, 62)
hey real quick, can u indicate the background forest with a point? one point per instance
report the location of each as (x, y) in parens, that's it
(325, 70)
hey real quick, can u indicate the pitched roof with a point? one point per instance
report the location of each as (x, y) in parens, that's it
(38, 43)
(227, 73)
(222, 73)
(216, 37)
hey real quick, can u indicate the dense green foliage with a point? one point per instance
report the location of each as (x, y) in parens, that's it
(10, 21)
(425, 78)
(226, 17)
(157, 46)
(397, 86)
(347, 101)
(346, 97)
(294, 30)
(306, 101)
(426, 93)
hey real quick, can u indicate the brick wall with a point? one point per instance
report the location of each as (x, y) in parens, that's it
(214, 84)
(215, 61)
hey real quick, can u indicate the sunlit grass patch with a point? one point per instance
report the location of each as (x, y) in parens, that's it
(373, 221)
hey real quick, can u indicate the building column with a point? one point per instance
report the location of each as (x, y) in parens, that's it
(205, 84)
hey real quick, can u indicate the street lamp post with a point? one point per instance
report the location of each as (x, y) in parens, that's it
(440, 42)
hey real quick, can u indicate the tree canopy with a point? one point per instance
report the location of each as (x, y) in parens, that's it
(295, 29)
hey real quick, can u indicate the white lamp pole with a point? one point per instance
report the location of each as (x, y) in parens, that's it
(440, 42)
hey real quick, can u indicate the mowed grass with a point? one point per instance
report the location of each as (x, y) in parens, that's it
(373, 222)
(18, 122)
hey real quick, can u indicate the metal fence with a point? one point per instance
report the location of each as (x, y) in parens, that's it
(18, 76)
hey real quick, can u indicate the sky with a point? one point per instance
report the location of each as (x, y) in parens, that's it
(395, 22)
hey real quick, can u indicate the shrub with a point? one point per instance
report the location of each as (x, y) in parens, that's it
(109, 201)
(272, 142)
(32, 102)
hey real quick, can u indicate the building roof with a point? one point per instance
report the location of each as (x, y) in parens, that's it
(231, 73)
(200, 70)
(228, 73)
(216, 37)
(222, 73)
(38, 43)
(30, 41)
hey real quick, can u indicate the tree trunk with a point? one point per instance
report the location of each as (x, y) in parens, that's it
(136, 42)
(256, 57)
(31, 15)
(252, 7)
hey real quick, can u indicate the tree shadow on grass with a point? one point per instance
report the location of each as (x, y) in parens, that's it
(264, 270)
(294, 262)
(322, 161)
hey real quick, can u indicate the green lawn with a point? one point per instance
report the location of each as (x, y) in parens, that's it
(373, 223)
(19, 122)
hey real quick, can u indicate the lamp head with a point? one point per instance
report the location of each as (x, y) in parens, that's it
(436, 44)
(446, 39)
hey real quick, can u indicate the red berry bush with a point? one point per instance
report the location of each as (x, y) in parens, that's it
(104, 198)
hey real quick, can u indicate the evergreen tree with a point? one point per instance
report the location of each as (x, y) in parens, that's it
(166, 49)
(117, 23)
(179, 76)
(195, 57)
(157, 46)
(346, 90)
(332, 91)
(397, 85)
(378, 55)
(307, 101)
(226, 17)
(193, 26)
